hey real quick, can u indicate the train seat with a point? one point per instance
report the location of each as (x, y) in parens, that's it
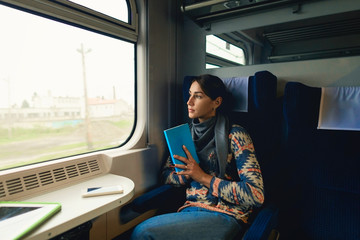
(261, 118)
(262, 121)
(322, 198)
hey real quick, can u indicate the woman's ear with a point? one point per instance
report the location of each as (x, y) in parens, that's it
(218, 102)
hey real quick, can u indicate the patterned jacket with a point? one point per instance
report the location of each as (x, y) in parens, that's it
(242, 187)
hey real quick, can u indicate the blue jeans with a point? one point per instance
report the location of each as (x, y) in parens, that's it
(190, 223)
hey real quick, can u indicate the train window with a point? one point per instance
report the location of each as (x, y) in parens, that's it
(221, 53)
(65, 89)
(113, 8)
(210, 66)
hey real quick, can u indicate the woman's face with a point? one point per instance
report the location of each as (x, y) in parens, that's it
(200, 105)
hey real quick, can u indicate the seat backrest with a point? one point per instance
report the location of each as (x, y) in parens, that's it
(262, 121)
(322, 188)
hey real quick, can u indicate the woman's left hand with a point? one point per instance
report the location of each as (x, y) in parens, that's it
(192, 169)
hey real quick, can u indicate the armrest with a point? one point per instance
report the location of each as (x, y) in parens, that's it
(264, 222)
(165, 197)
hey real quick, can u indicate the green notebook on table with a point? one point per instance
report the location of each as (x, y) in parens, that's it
(17, 219)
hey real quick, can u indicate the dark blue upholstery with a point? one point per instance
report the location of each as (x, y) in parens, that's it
(263, 122)
(321, 200)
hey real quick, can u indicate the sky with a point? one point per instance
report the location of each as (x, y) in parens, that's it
(41, 55)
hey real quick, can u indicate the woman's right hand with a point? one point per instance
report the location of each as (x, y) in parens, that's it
(191, 169)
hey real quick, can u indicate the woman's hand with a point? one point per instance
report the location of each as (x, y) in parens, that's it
(192, 169)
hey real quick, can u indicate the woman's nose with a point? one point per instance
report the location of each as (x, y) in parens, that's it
(189, 102)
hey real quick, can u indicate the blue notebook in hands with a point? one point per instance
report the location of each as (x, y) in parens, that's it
(176, 137)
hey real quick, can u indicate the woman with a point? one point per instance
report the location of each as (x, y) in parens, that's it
(224, 187)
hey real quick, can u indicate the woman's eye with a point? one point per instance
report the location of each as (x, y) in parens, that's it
(197, 96)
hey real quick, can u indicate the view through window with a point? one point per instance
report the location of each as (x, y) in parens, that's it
(63, 90)
(222, 53)
(113, 8)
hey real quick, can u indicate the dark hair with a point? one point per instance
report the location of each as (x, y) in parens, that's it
(213, 87)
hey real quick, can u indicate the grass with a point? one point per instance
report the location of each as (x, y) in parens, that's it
(123, 123)
(21, 134)
(39, 144)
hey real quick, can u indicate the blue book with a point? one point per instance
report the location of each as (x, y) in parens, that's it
(176, 137)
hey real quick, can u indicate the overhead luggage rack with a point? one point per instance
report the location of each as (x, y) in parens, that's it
(207, 11)
(333, 38)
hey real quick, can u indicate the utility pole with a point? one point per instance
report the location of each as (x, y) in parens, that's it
(9, 118)
(87, 117)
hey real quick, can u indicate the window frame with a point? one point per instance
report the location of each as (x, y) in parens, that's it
(77, 15)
